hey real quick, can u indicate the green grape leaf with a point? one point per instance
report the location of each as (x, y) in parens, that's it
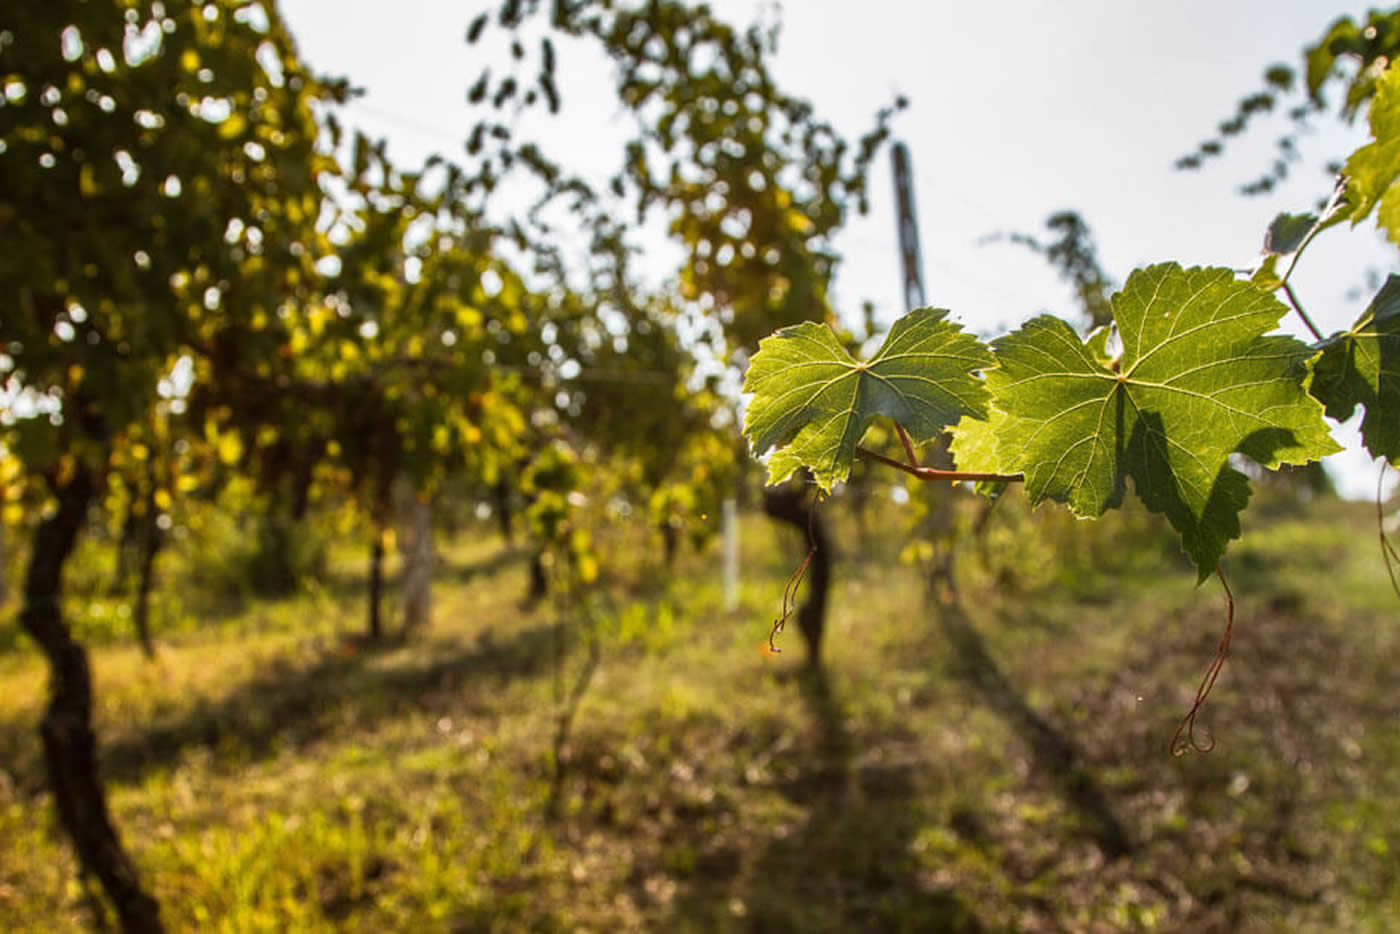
(812, 401)
(1287, 232)
(1197, 381)
(1286, 235)
(1362, 367)
(1097, 342)
(1373, 169)
(974, 445)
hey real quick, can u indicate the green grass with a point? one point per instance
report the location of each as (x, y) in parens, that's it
(990, 758)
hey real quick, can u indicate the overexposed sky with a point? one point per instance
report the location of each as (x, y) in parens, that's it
(1018, 109)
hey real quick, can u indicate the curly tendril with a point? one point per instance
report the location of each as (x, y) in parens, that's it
(1180, 745)
(790, 591)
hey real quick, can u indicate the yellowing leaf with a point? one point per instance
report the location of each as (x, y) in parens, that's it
(317, 318)
(87, 181)
(1373, 170)
(798, 222)
(230, 447)
(442, 439)
(233, 127)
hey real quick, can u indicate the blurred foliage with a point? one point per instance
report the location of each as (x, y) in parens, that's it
(752, 181)
(1349, 57)
(1075, 257)
(160, 190)
(273, 558)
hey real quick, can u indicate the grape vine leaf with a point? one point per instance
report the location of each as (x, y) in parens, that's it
(1362, 367)
(974, 448)
(1373, 169)
(1289, 234)
(812, 401)
(1197, 381)
(1286, 235)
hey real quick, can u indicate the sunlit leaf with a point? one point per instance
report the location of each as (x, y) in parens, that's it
(1373, 169)
(813, 401)
(1197, 381)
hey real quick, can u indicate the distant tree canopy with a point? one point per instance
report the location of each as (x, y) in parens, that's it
(160, 191)
(753, 181)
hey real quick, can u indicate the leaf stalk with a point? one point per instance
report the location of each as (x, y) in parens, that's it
(1298, 307)
(908, 444)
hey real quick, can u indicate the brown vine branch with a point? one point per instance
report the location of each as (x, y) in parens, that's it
(931, 473)
(1181, 745)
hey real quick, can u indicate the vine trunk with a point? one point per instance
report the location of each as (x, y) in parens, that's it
(70, 747)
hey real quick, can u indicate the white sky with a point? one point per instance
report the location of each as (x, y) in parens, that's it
(1018, 109)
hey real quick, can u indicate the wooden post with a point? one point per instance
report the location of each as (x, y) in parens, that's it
(731, 554)
(415, 514)
(911, 262)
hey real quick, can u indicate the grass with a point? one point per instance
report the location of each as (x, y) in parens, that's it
(986, 758)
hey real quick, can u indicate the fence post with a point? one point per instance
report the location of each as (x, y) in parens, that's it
(731, 554)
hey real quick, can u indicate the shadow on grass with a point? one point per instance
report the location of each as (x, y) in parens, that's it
(850, 865)
(349, 583)
(1053, 753)
(491, 564)
(296, 705)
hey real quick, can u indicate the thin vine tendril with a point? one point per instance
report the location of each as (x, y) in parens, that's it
(1180, 745)
(790, 591)
(1388, 552)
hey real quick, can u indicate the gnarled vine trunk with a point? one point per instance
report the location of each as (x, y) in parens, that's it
(376, 584)
(70, 748)
(791, 505)
(539, 580)
(670, 542)
(150, 547)
(500, 505)
(125, 543)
